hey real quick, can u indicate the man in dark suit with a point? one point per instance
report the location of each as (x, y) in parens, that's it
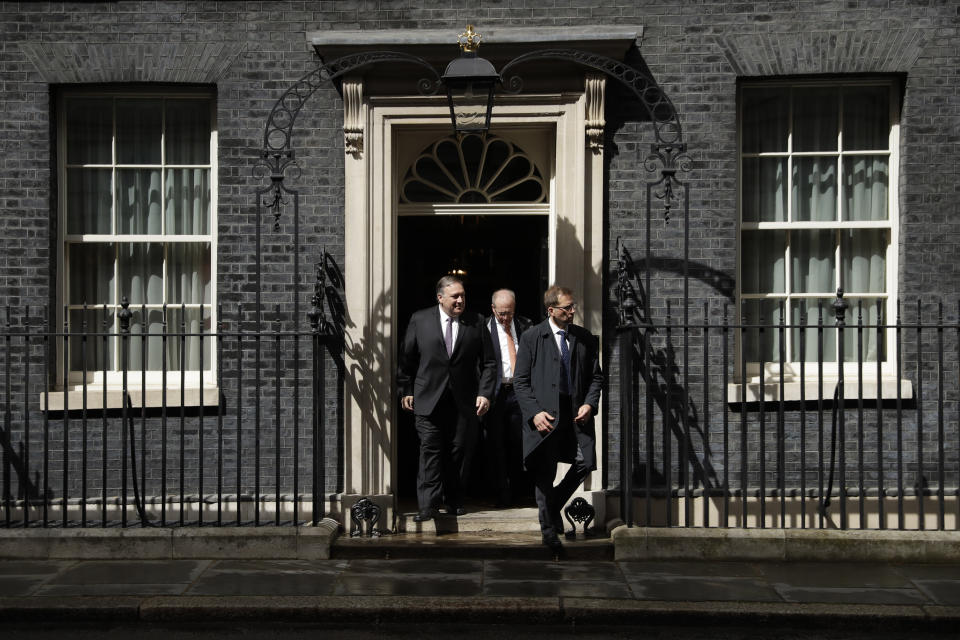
(446, 378)
(503, 425)
(558, 383)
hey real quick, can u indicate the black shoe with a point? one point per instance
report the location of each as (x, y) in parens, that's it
(425, 514)
(504, 499)
(553, 542)
(456, 510)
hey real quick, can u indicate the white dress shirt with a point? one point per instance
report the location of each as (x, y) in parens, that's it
(443, 327)
(505, 369)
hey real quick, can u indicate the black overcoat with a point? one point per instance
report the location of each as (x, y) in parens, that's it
(426, 371)
(536, 383)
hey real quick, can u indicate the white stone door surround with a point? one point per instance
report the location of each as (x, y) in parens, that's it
(372, 125)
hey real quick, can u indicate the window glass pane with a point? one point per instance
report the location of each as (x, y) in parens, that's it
(188, 201)
(814, 188)
(815, 119)
(91, 351)
(89, 204)
(762, 262)
(763, 342)
(765, 118)
(149, 350)
(863, 254)
(138, 130)
(804, 314)
(91, 273)
(138, 201)
(188, 273)
(184, 347)
(764, 189)
(813, 254)
(188, 132)
(861, 313)
(140, 270)
(865, 180)
(89, 130)
(866, 118)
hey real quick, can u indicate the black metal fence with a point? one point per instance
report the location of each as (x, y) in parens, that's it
(863, 436)
(236, 436)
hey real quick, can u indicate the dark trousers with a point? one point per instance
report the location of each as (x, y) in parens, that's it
(543, 465)
(446, 447)
(503, 446)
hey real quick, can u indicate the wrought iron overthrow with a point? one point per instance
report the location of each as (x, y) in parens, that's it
(579, 510)
(277, 156)
(669, 150)
(365, 510)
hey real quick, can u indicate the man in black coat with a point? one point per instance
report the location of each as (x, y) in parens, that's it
(446, 378)
(503, 425)
(558, 383)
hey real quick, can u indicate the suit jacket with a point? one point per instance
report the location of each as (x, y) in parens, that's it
(522, 324)
(426, 371)
(536, 383)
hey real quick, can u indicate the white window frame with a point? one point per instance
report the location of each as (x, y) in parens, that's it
(154, 379)
(791, 370)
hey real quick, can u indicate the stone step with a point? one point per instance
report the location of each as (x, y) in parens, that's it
(478, 519)
(524, 545)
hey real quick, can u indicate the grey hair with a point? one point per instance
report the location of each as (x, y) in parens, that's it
(500, 292)
(446, 281)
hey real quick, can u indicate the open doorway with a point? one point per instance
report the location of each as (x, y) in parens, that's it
(489, 252)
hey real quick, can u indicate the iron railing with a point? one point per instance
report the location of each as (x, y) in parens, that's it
(238, 441)
(710, 439)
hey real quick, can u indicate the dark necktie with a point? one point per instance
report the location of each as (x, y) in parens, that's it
(564, 363)
(449, 337)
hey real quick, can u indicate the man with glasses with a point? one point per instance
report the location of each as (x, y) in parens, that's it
(558, 383)
(503, 424)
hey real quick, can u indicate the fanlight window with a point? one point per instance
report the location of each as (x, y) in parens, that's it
(473, 170)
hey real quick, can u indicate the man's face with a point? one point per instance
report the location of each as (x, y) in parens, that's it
(504, 308)
(453, 299)
(563, 311)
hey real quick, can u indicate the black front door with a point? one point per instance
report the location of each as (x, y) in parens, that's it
(489, 252)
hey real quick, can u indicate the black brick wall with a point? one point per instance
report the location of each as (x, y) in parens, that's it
(252, 51)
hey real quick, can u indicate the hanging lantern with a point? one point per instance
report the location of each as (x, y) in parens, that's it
(470, 82)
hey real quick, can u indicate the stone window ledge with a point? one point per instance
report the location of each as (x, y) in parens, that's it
(811, 389)
(149, 397)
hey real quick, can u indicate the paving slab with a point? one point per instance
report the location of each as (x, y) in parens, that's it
(410, 585)
(132, 572)
(852, 595)
(699, 589)
(268, 577)
(943, 592)
(421, 566)
(833, 574)
(639, 568)
(32, 567)
(558, 588)
(549, 570)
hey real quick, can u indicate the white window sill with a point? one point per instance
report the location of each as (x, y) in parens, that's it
(149, 397)
(811, 390)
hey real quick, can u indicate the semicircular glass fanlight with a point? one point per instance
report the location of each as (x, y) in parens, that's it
(473, 169)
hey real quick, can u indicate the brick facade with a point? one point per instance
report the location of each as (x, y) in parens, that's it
(252, 51)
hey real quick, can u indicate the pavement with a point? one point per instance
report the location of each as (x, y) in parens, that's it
(450, 582)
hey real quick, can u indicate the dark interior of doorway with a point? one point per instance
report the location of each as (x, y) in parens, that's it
(490, 253)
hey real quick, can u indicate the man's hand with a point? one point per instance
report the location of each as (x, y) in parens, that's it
(407, 403)
(483, 405)
(543, 421)
(583, 414)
